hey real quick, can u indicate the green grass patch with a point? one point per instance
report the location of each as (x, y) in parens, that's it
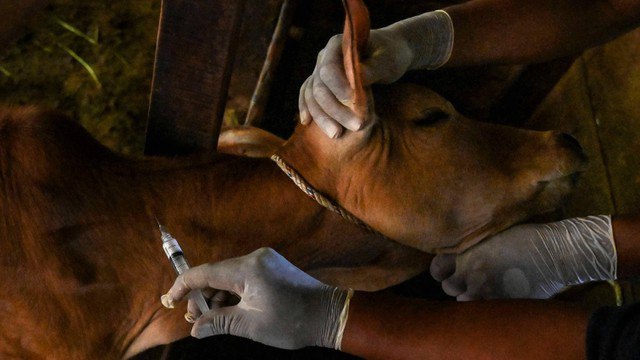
(92, 60)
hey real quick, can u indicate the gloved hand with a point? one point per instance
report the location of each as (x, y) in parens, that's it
(423, 41)
(279, 304)
(531, 261)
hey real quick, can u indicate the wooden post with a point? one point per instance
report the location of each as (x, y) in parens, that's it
(274, 52)
(194, 55)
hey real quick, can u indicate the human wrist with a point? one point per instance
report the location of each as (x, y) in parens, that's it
(336, 304)
(429, 36)
(626, 229)
(584, 249)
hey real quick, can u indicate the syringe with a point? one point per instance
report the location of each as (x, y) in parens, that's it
(176, 256)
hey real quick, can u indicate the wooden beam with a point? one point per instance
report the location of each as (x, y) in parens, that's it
(274, 53)
(194, 55)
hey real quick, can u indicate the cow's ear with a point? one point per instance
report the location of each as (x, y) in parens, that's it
(354, 44)
(248, 141)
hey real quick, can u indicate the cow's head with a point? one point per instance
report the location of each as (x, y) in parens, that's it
(426, 176)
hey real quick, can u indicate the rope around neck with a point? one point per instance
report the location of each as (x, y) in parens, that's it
(319, 197)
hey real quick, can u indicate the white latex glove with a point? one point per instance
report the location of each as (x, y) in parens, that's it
(279, 304)
(423, 41)
(531, 261)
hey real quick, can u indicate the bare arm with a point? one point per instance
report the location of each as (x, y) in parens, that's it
(626, 232)
(511, 31)
(391, 327)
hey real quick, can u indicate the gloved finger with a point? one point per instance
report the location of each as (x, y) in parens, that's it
(216, 299)
(476, 287)
(303, 109)
(193, 310)
(223, 275)
(370, 71)
(190, 318)
(369, 75)
(515, 284)
(443, 266)
(334, 108)
(305, 117)
(380, 69)
(214, 322)
(467, 297)
(331, 71)
(324, 121)
(454, 285)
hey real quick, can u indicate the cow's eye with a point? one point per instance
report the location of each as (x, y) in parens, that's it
(432, 116)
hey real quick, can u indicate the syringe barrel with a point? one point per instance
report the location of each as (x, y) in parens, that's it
(174, 253)
(176, 256)
(179, 263)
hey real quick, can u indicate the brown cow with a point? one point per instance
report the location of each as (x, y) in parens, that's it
(81, 255)
(80, 251)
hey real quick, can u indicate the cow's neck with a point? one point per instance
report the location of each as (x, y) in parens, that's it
(237, 199)
(312, 162)
(327, 163)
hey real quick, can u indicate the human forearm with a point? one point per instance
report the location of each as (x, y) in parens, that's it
(509, 31)
(626, 235)
(381, 326)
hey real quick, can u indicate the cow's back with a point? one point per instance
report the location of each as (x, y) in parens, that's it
(61, 199)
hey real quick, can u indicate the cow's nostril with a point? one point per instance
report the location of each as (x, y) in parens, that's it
(567, 141)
